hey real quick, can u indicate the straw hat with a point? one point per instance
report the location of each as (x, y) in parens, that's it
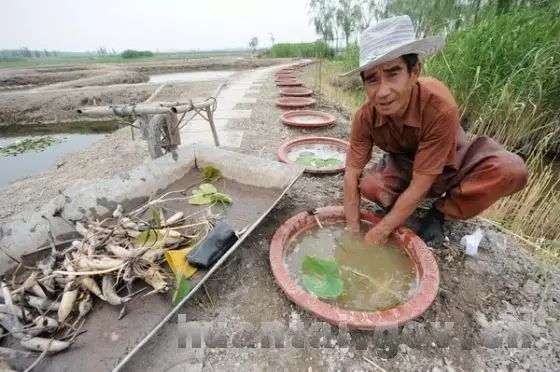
(391, 38)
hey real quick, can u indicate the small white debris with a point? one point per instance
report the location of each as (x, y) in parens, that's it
(117, 213)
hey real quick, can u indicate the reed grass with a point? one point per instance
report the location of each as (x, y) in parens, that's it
(329, 83)
(505, 73)
(316, 49)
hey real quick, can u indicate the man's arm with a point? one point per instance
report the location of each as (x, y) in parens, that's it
(357, 156)
(352, 198)
(406, 203)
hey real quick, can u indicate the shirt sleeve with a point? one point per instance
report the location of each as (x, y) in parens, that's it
(438, 144)
(361, 142)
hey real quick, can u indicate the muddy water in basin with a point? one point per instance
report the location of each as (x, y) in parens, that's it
(308, 119)
(190, 76)
(375, 278)
(322, 154)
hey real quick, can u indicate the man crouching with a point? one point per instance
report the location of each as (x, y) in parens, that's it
(416, 122)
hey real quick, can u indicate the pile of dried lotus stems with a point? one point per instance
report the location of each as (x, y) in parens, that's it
(45, 305)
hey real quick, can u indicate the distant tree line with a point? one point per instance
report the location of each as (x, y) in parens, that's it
(25, 52)
(131, 53)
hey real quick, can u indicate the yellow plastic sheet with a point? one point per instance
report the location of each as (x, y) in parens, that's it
(177, 261)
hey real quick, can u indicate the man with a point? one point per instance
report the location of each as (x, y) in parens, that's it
(416, 121)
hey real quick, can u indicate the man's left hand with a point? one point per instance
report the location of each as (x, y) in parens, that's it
(377, 235)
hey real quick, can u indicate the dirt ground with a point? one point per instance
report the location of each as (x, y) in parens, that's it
(52, 94)
(500, 310)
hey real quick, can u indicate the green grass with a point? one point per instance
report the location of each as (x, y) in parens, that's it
(307, 50)
(67, 60)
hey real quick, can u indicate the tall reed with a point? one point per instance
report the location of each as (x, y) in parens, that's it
(316, 49)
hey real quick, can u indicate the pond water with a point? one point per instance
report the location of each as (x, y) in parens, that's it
(375, 278)
(32, 162)
(190, 76)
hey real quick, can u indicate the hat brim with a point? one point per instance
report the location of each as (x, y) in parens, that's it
(423, 47)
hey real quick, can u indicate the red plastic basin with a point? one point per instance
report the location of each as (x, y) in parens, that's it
(294, 102)
(366, 320)
(285, 148)
(289, 83)
(296, 92)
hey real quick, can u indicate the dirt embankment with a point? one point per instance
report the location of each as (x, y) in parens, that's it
(57, 92)
(203, 64)
(60, 105)
(26, 78)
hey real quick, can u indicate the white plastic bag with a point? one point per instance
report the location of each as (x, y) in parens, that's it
(471, 242)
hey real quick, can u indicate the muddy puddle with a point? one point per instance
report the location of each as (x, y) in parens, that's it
(190, 76)
(375, 278)
(65, 139)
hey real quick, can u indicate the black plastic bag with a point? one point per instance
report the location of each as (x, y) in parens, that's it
(218, 241)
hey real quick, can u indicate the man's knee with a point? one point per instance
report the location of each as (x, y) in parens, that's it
(373, 188)
(512, 172)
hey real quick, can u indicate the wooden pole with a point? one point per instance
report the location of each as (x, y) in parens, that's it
(142, 121)
(212, 127)
(124, 110)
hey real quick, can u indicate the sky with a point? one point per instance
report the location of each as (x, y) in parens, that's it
(164, 25)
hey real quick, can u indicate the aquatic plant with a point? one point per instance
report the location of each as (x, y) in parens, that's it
(317, 162)
(28, 144)
(321, 277)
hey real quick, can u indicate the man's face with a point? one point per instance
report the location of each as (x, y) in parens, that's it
(389, 85)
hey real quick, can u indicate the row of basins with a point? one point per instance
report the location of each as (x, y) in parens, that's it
(27, 150)
(327, 271)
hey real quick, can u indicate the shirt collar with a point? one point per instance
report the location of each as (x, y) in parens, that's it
(411, 116)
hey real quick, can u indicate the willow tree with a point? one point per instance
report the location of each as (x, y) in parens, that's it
(348, 17)
(322, 16)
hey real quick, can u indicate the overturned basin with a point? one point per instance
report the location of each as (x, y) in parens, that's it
(296, 92)
(307, 119)
(286, 70)
(295, 102)
(285, 77)
(414, 247)
(289, 83)
(329, 152)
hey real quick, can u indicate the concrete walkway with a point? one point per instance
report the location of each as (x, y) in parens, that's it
(243, 90)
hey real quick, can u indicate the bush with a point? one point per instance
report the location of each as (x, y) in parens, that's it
(317, 49)
(131, 53)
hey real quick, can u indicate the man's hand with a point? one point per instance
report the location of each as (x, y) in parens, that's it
(377, 235)
(353, 229)
(404, 206)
